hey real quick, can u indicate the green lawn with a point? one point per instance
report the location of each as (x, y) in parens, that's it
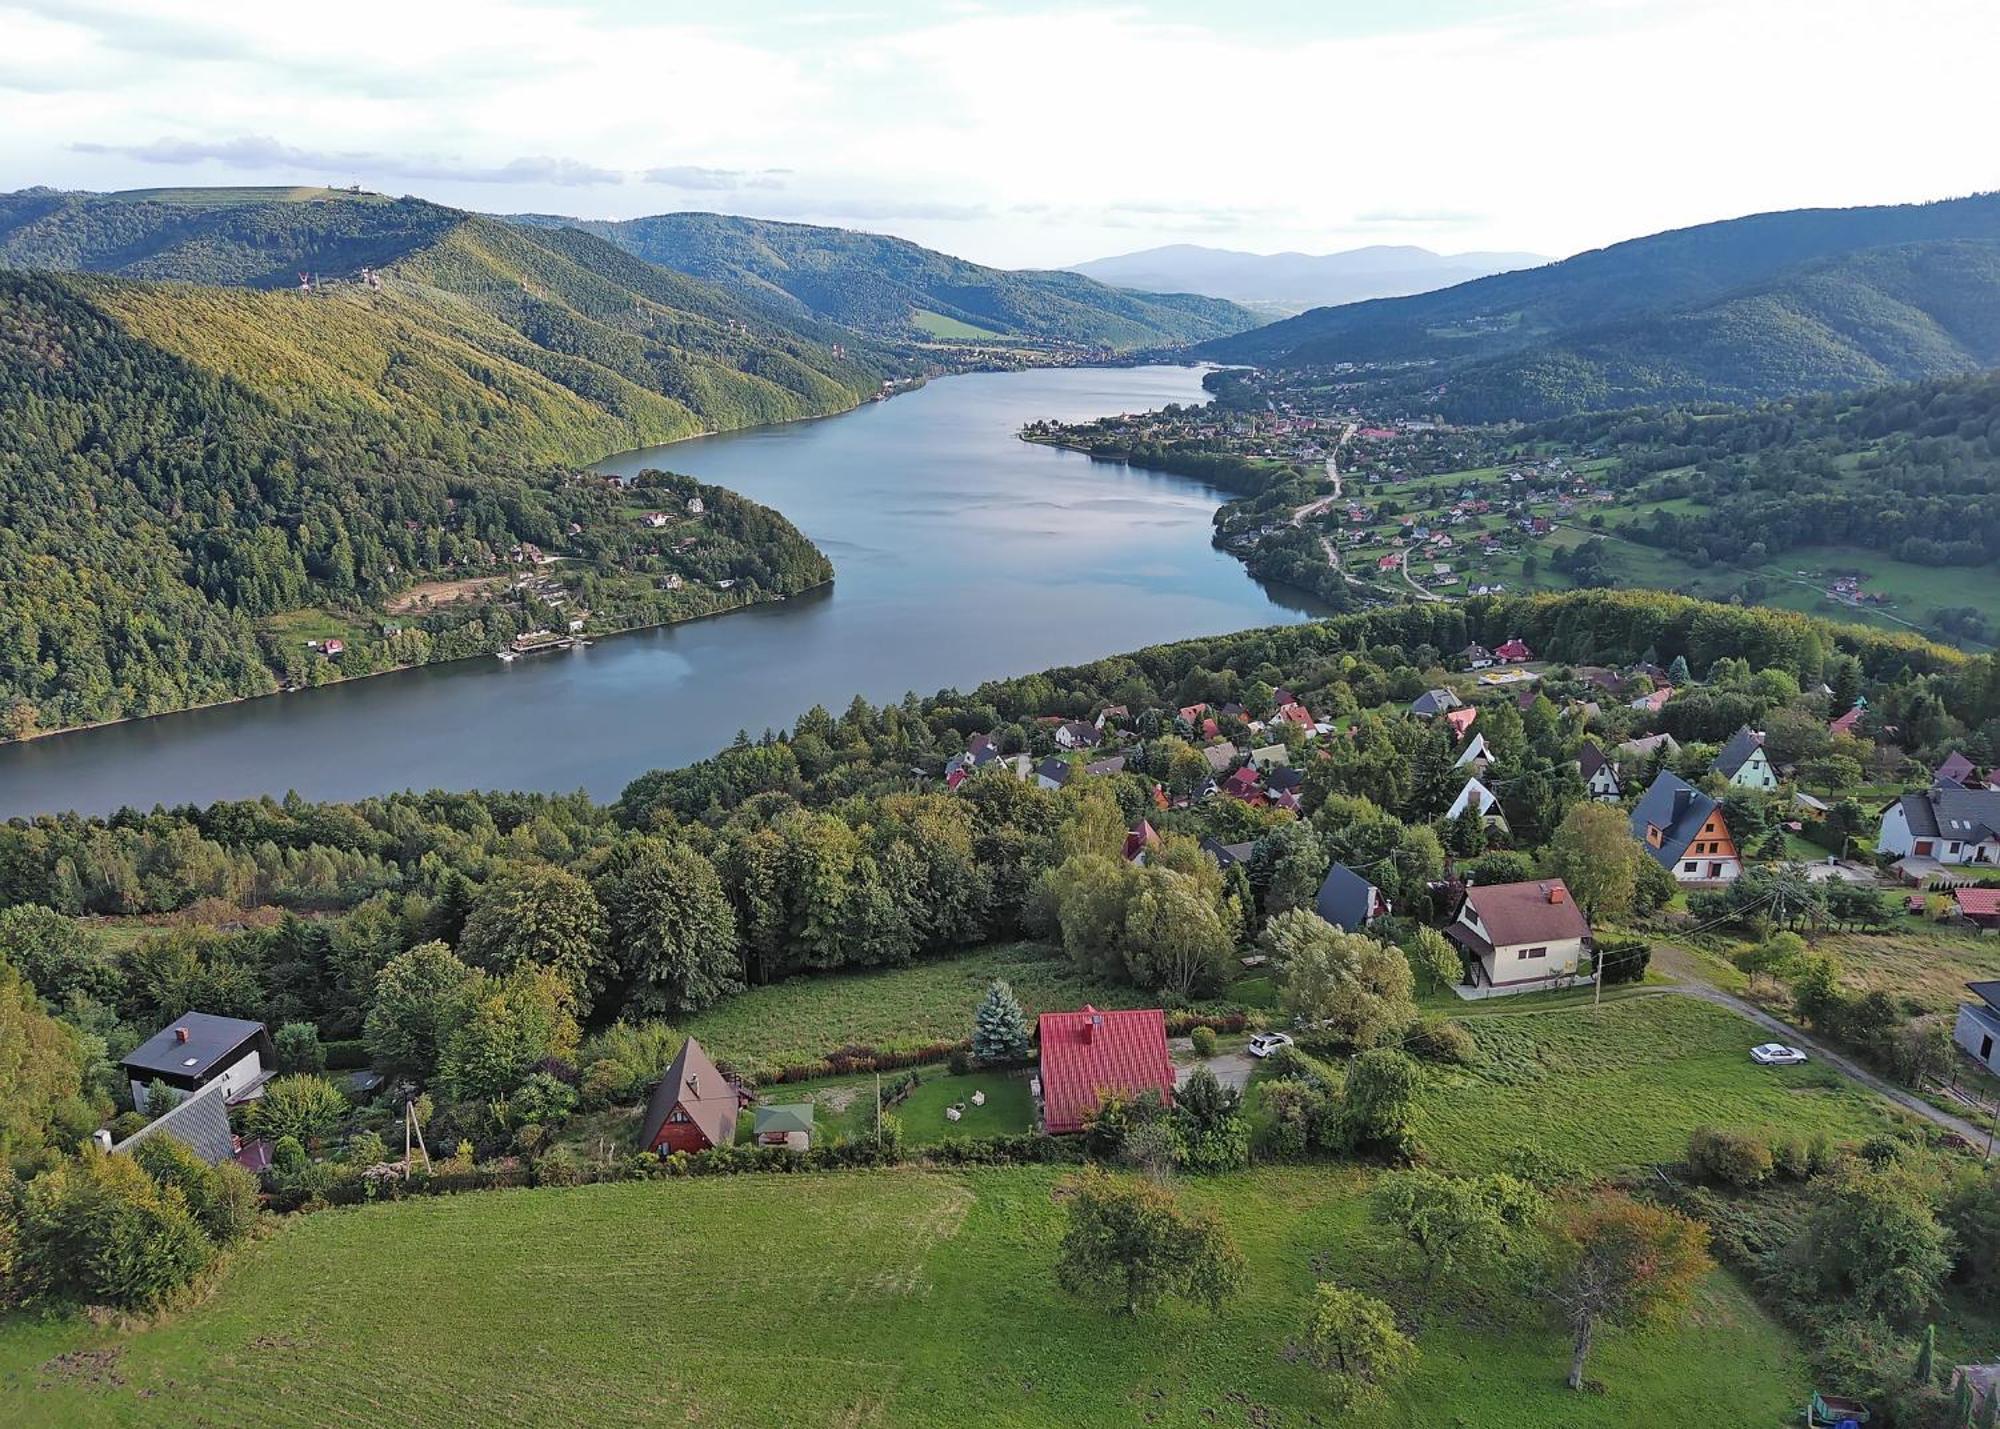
(875, 1298)
(844, 1107)
(938, 325)
(916, 1298)
(805, 1018)
(1624, 1085)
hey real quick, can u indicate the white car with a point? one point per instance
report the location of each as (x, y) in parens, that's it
(1265, 1043)
(1776, 1054)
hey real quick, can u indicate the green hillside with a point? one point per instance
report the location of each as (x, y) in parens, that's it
(895, 289)
(183, 464)
(1749, 308)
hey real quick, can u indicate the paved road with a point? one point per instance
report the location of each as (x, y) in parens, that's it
(1688, 984)
(1411, 581)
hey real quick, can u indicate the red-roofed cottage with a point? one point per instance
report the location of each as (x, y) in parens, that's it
(1088, 1054)
(1513, 652)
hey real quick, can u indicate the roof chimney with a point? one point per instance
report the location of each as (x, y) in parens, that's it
(1093, 1019)
(1682, 798)
(1557, 893)
(694, 1082)
(180, 1034)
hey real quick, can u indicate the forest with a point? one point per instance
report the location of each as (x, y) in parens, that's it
(184, 464)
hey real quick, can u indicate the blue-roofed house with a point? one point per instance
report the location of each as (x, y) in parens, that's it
(1684, 831)
(1349, 901)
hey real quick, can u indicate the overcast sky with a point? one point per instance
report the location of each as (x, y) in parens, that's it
(1027, 134)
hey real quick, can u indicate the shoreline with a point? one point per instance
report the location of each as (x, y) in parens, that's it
(42, 734)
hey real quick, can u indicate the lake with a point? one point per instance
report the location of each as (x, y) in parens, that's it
(961, 554)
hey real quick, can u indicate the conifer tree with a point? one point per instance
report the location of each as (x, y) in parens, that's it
(999, 1029)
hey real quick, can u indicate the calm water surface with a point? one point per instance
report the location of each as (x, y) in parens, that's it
(961, 554)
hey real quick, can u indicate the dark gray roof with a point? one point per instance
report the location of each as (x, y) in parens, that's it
(1949, 812)
(199, 1122)
(1226, 854)
(211, 1041)
(1056, 771)
(1677, 809)
(1988, 992)
(1432, 702)
(1284, 777)
(1735, 754)
(1590, 759)
(1114, 765)
(1345, 898)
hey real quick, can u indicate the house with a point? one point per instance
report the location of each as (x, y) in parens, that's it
(1089, 1055)
(201, 1050)
(1349, 901)
(1514, 652)
(1284, 780)
(1809, 806)
(1461, 719)
(694, 1108)
(1978, 1028)
(789, 1126)
(1744, 763)
(1521, 936)
(1434, 702)
(1139, 841)
(1942, 825)
(1849, 723)
(1295, 713)
(1077, 734)
(1979, 907)
(1683, 829)
(1476, 656)
(1476, 795)
(1959, 770)
(1270, 756)
(1281, 697)
(655, 519)
(1053, 773)
(200, 1122)
(1600, 778)
(333, 648)
(694, 506)
(1191, 714)
(1644, 748)
(1477, 753)
(1245, 783)
(1653, 701)
(1226, 855)
(1099, 768)
(1110, 713)
(1221, 757)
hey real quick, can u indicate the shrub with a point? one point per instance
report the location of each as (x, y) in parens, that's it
(100, 1229)
(1205, 1041)
(960, 1061)
(1445, 1040)
(542, 1098)
(1624, 959)
(298, 1048)
(222, 1198)
(1735, 1158)
(302, 1107)
(558, 1166)
(1378, 1104)
(1298, 1117)
(1542, 1168)
(365, 1148)
(288, 1155)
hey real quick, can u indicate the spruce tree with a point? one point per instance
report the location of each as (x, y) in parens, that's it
(1926, 1369)
(999, 1029)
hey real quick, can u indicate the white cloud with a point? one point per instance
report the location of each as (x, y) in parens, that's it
(1032, 137)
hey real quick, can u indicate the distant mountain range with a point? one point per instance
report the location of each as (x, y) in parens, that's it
(1283, 283)
(893, 289)
(1764, 306)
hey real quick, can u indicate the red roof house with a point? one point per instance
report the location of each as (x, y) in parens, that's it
(1513, 652)
(1461, 719)
(1087, 1054)
(1848, 723)
(1297, 714)
(1979, 906)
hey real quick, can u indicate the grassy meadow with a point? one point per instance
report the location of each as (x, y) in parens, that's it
(913, 1297)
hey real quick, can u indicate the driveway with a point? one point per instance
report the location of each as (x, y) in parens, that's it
(1232, 1069)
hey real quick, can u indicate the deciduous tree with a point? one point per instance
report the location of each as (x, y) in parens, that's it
(1132, 1243)
(1621, 1263)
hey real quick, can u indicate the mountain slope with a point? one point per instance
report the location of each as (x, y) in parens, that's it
(893, 288)
(1292, 282)
(1674, 271)
(1882, 315)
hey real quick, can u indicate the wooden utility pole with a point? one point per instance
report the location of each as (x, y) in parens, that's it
(410, 1127)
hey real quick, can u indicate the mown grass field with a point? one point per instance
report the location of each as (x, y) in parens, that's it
(911, 1297)
(803, 1019)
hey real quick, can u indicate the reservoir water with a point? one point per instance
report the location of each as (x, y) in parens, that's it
(961, 554)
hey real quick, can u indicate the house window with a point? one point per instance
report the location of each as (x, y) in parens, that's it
(1688, 867)
(1715, 870)
(1986, 1049)
(1534, 952)
(678, 1116)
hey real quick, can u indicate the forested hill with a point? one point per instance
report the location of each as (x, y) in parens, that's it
(1751, 307)
(181, 464)
(893, 288)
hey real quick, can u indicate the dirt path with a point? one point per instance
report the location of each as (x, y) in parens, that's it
(1680, 965)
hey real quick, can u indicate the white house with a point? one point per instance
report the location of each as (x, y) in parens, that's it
(1600, 776)
(1476, 753)
(1270, 756)
(1476, 795)
(197, 1051)
(1944, 825)
(1744, 763)
(1521, 936)
(1978, 1030)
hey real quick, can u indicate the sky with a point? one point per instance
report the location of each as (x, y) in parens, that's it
(1030, 134)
